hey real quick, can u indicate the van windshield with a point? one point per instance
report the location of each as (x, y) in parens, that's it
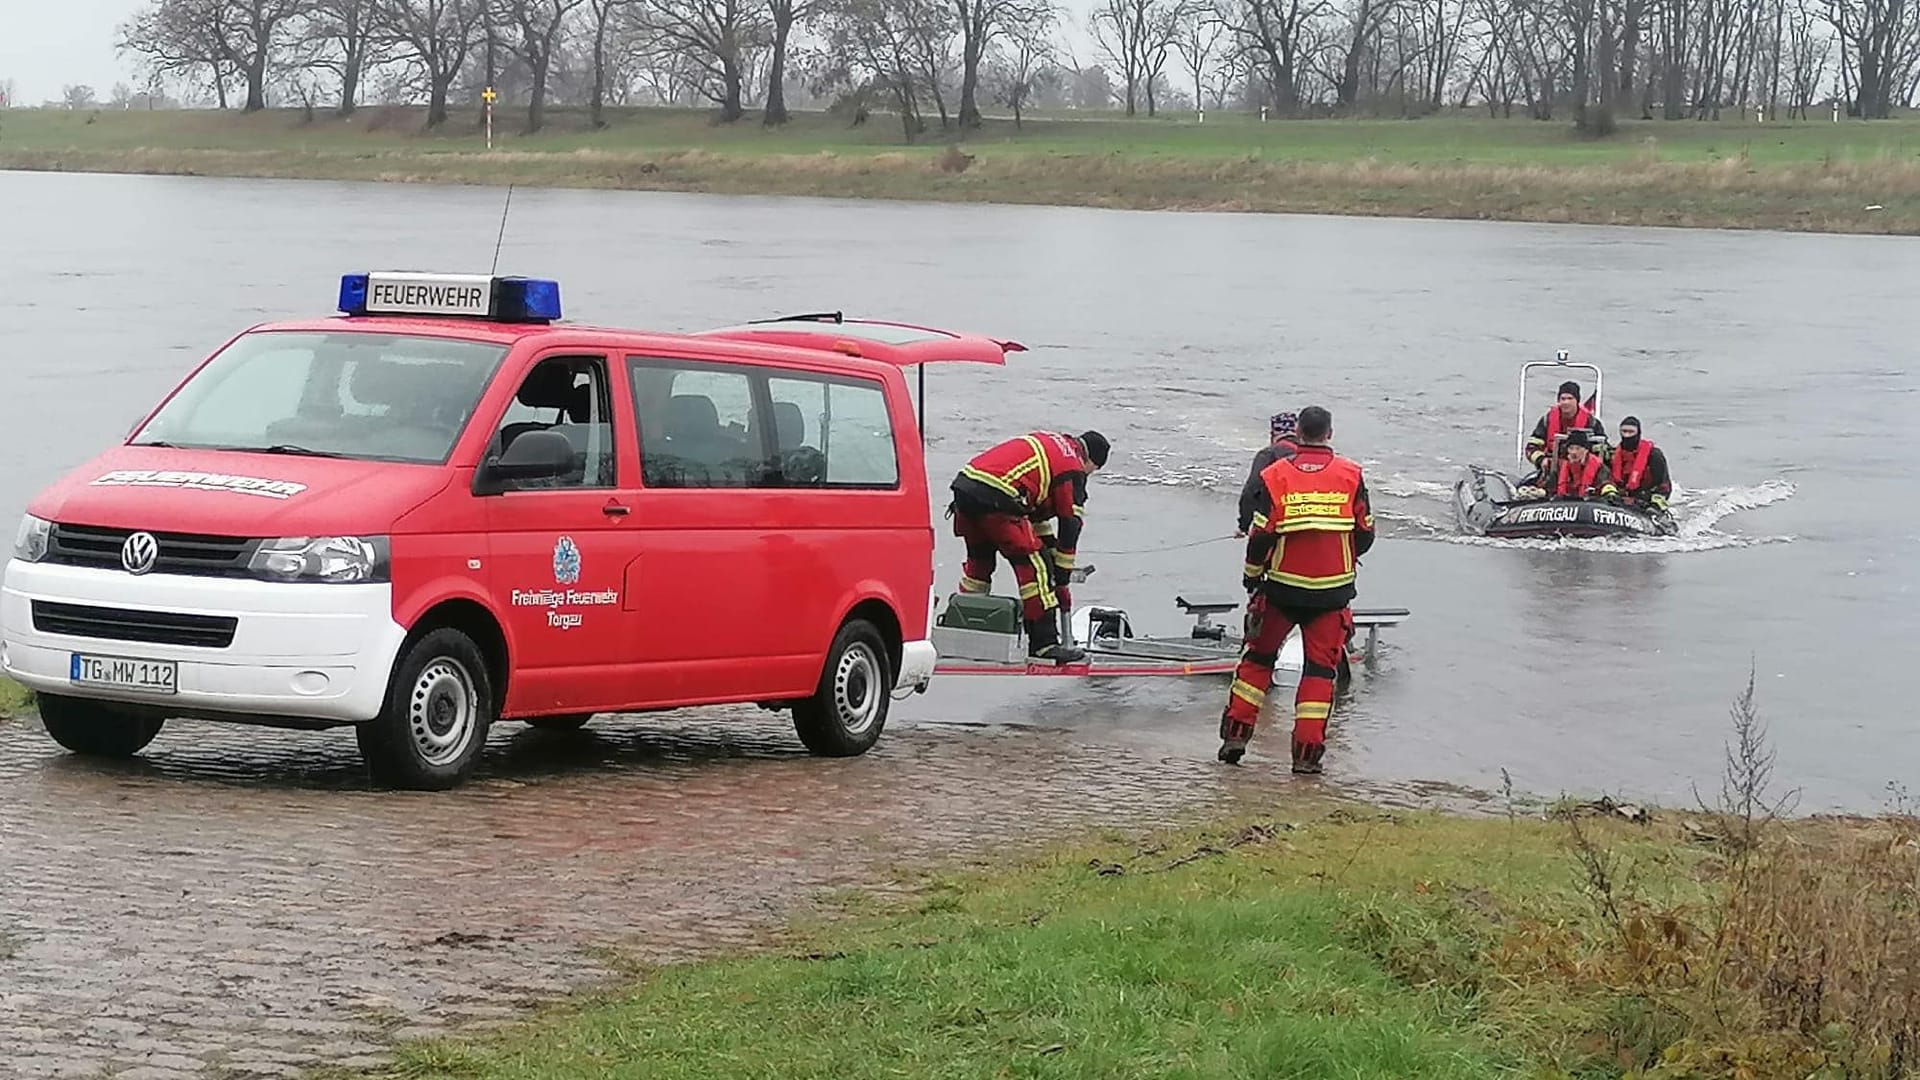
(383, 397)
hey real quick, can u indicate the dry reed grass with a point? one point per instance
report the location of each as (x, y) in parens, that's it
(1800, 956)
(1875, 195)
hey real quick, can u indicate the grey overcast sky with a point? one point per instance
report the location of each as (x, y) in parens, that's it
(47, 44)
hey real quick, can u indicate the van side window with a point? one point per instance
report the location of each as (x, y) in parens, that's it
(832, 432)
(697, 426)
(568, 395)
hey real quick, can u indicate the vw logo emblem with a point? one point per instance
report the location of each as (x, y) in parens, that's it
(139, 553)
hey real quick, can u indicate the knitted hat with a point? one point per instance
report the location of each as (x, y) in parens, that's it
(1284, 423)
(1578, 437)
(1570, 387)
(1096, 445)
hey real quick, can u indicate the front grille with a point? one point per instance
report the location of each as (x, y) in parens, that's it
(122, 624)
(180, 553)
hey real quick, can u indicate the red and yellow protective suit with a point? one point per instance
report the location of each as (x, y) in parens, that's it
(1311, 523)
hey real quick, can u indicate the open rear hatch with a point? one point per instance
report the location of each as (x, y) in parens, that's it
(902, 344)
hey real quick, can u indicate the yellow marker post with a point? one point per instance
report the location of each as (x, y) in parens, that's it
(488, 96)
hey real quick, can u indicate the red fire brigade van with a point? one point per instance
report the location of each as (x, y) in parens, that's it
(444, 508)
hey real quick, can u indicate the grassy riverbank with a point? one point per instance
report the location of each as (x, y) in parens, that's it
(1811, 175)
(14, 698)
(1322, 940)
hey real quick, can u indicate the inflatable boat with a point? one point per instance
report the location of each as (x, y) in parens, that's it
(1487, 503)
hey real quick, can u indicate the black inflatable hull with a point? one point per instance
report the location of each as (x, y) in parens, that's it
(1570, 517)
(1484, 506)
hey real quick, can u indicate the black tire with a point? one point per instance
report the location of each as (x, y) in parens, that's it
(559, 723)
(848, 710)
(439, 707)
(95, 728)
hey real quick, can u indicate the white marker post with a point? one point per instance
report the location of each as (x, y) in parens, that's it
(487, 96)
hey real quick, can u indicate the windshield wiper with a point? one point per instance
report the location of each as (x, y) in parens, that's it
(287, 448)
(157, 442)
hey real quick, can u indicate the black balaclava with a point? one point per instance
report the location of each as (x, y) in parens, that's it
(1634, 423)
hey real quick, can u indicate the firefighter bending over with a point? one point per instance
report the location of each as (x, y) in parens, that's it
(998, 499)
(1311, 522)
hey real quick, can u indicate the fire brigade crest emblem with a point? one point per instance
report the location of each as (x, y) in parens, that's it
(566, 561)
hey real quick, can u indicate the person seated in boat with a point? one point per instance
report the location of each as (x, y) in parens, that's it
(1566, 416)
(1581, 473)
(1639, 469)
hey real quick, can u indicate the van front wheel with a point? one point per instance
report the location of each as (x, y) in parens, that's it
(848, 710)
(439, 706)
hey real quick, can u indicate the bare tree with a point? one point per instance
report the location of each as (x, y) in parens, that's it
(896, 48)
(436, 36)
(340, 37)
(1019, 63)
(1278, 36)
(714, 34)
(980, 22)
(783, 15)
(1197, 36)
(1877, 39)
(184, 38)
(76, 96)
(536, 26)
(602, 14)
(1135, 36)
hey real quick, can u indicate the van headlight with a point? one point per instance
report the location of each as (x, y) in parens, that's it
(336, 559)
(31, 542)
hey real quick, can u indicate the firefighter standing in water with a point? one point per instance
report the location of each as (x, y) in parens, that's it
(1567, 415)
(1311, 523)
(997, 500)
(1639, 469)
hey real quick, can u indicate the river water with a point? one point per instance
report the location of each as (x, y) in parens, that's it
(1774, 369)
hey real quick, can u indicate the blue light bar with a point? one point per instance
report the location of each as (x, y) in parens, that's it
(499, 299)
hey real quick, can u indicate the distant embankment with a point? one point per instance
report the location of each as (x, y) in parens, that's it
(1815, 176)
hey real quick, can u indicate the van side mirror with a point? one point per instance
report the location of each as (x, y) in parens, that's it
(535, 455)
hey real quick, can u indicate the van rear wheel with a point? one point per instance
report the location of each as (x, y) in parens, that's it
(848, 710)
(95, 729)
(439, 707)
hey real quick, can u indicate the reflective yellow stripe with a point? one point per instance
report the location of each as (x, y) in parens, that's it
(973, 584)
(1317, 524)
(1028, 592)
(1038, 461)
(1043, 582)
(1004, 484)
(1305, 582)
(1250, 569)
(991, 481)
(1312, 710)
(1249, 693)
(1063, 560)
(1044, 528)
(1259, 520)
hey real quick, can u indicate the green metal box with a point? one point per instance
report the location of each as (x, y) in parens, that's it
(991, 614)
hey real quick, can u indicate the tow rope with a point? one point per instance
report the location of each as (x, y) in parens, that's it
(1169, 547)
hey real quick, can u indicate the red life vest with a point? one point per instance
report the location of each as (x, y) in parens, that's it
(1631, 481)
(1589, 473)
(1581, 419)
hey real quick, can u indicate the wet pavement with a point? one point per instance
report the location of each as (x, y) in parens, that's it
(239, 902)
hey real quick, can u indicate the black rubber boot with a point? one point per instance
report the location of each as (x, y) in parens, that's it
(1306, 757)
(1233, 740)
(1043, 643)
